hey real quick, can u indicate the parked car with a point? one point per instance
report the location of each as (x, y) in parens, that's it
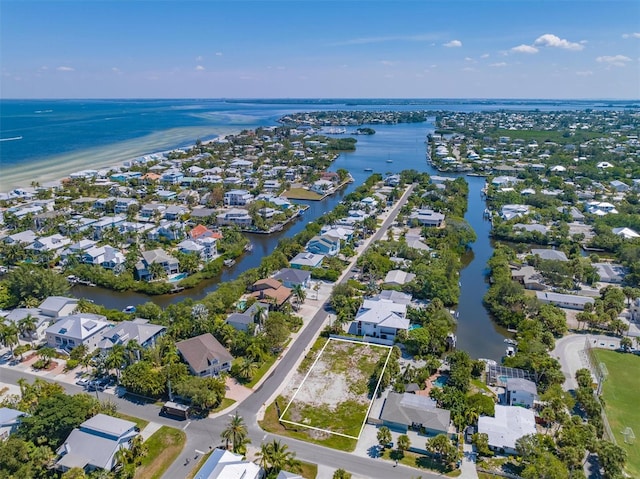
(83, 382)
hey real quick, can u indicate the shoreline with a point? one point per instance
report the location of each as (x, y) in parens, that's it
(107, 157)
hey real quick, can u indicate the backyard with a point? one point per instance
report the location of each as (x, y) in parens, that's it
(333, 396)
(620, 398)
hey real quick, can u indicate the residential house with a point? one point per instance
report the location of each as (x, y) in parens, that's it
(619, 186)
(175, 212)
(24, 237)
(123, 205)
(156, 256)
(610, 272)
(291, 277)
(509, 424)
(104, 224)
(49, 243)
(170, 230)
(106, 256)
(344, 234)
(251, 316)
(49, 311)
(626, 233)
(509, 212)
(271, 291)
(95, 444)
(152, 210)
(223, 464)
(398, 277)
(58, 306)
(75, 330)
(406, 411)
(322, 187)
(205, 248)
(139, 330)
(381, 318)
(521, 392)
(237, 198)
(204, 355)
(529, 277)
(549, 254)
(9, 421)
(326, 245)
(306, 260)
(427, 217)
(172, 177)
(235, 216)
(569, 301)
(202, 231)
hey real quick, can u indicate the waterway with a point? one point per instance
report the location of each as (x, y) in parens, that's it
(392, 149)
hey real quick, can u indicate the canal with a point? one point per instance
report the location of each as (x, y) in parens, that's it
(392, 149)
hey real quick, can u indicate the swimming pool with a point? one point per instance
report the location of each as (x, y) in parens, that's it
(441, 381)
(174, 278)
(414, 326)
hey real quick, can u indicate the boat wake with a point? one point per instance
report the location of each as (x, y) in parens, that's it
(14, 138)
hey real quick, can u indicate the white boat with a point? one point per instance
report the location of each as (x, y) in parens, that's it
(229, 262)
(129, 309)
(368, 169)
(511, 341)
(511, 351)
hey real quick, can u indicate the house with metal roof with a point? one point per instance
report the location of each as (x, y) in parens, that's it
(95, 443)
(77, 329)
(9, 421)
(291, 277)
(381, 318)
(139, 330)
(521, 392)
(310, 260)
(223, 464)
(570, 301)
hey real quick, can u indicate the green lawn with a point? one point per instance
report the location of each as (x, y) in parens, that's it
(141, 423)
(620, 393)
(420, 461)
(162, 449)
(226, 402)
(301, 194)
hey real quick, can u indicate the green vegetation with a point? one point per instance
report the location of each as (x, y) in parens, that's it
(164, 446)
(620, 398)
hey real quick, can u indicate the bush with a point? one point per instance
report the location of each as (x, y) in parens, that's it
(71, 364)
(39, 364)
(20, 350)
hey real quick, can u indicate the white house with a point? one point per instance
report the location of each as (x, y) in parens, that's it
(521, 392)
(9, 421)
(509, 424)
(381, 318)
(234, 216)
(77, 329)
(325, 244)
(223, 464)
(237, 198)
(509, 212)
(569, 301)
(427, 217)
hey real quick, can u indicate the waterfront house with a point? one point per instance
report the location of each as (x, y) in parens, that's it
(49, 243)
(204, 355)
(291, 277)
(509, 424)
(625, 233)
(235, 216)
(139, 330)
(155, 256)
(521, 392)
(398, 277)
(223, 464)
(403, 412)
(271, 291)
(322, 187)
(569, 301)
(95, 444)
(427, 217)
(549, 254)
(75, 330)
(237, 198)
(509, 212)
(381, 318)
(204, 247)
(529, 277)
(106, 256)
(306, 260)
(202, 231)
(254, 315)
(326, 245)
(343, 233)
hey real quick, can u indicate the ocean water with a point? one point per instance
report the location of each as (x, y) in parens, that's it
(56, 137)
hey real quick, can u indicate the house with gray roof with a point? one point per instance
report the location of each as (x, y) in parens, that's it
(139, 330)
(406, 411)
(58, 306)
(427, 217)
(549, 254)
(95, 444)
(250, 317)
(223, 464)
(397, 277)
(521, 392)
(9, 421)
(204, 355)
(77, 329)
(381, 318)
(310, 260)
(159, 256)
(570, 301)
(610, 272)
(291, 277)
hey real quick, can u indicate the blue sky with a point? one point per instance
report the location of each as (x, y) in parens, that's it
(309, 49)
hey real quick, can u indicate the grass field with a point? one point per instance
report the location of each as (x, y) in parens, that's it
(620, 393)
(163, 448)
(301, 194)
(334, 395)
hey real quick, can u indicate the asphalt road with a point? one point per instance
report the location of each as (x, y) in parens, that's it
(203, 434)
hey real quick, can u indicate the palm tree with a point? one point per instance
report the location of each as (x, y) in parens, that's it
(236, 433)
(28, 326)
(46, 354)
(404, 443)
(275, 456)
(157, 271)
(384, 436)
(247, 368)
(9, 335)
(299, 294)
(132, 350)
(116, 358)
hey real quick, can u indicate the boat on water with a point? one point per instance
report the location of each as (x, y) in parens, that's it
(368, 169)
(229, 262)
(129, 309)
(389, 161)
(511, 351)
(249, 247)
(511, 341)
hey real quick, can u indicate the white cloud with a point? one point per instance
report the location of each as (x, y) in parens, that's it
(469, 69)
(199, 58)
(550, 40)
(499, 64)
(218, 54)
(484, 55)
(615, 60)
(199, 68)
(586, 73)
(631, 35)
(452, 44)
(387, 63)
(115, 69)
(469, 59)
(524, 49)
(44, 68)
(65, 69)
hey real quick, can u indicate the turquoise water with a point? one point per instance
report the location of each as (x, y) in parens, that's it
(174, 278)
(441, 381)
(414, 326)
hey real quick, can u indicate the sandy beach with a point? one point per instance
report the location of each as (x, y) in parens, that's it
(104, 157)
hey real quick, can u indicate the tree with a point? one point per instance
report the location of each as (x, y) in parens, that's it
(612, 458)
(626, 343)
(444, 451)
(116, 358)
(384, 436)
(47, 354)
(404, 443)
(236, 433)
(142, 378)
(246, 368)
(275, 456)
(9, 335)
(481, 441)
(299, 294)
(28, 326)
(157, 271)
(341, 474)
(32, 281)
